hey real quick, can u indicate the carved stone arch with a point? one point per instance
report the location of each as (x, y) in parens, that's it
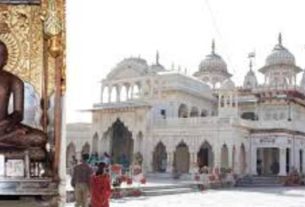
(205, 155)
(183, 111)
(181, 162)
(121, 143)
(86, 149)
(159, 157)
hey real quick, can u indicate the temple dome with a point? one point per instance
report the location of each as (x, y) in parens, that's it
(280, 55)
(228, 84)
(135, 63)
(213, 62)
(129, 67)
(157, 67)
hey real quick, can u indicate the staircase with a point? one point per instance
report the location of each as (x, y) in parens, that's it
(169, 189)
(168, 186)
(259, 181)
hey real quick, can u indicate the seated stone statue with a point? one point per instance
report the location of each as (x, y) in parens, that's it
(15, 137)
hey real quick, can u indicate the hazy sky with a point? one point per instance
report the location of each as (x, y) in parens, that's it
(100, 33)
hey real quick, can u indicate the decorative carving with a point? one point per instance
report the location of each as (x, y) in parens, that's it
(21, 30)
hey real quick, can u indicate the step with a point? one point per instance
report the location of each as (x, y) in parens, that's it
(160, 192)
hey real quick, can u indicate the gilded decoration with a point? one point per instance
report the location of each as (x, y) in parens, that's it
(22, 31)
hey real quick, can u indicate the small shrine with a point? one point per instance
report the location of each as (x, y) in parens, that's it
(32, 76)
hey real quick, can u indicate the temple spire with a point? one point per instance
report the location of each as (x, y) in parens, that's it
(213, 46)
(251, 55)
(280, 39)
(157, 57)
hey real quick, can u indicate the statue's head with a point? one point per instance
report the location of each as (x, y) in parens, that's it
(3, 55)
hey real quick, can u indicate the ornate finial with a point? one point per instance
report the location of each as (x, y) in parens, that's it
(251, 55)
(280, 38)
(213, 46)
(157, 57)
(52, 24)
(250, 64)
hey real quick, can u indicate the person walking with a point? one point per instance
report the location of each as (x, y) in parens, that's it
(81, 182)
(100, 187)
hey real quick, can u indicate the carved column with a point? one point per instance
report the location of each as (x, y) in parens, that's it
(252, 162)
(118, 93)
(282, 162)
(109, 93)
(102, 93)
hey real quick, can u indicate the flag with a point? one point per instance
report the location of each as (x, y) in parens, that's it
(251, 55)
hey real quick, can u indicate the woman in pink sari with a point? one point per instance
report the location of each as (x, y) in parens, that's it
(100, 187)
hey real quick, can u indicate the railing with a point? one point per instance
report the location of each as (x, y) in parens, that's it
(199, 122)
(189, 122)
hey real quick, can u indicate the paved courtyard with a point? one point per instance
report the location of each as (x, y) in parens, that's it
(237, 197)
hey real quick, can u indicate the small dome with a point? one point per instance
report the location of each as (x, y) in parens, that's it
(228, 85)
(213, 62)
(134, 63)
(280, 55)
(156, 68)
(137, 65)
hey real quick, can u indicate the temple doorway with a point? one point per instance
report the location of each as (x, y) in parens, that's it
(159, 158)
(182, 158)
(242, 159)
(71, 160)
(121, 144)
(268, 161)
(205, 155)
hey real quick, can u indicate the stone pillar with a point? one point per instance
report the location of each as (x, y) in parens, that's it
(282, 162)
(131, 89)
(237, 160)
(253, 159)
(170, 161)
(109, 93)
(217, 153)
(230, 157)
(118, 93)
(102, 93)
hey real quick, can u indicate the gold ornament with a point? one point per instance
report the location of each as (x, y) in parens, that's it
(52, 24)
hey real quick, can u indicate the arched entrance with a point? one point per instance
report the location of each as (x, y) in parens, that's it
(242, 159)
(182, 158)
(183, 111)
(224, 157)
(205, 155)
(121, 144)
(159, 158)
(268, 161)
(86, 149)
(71, 160)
